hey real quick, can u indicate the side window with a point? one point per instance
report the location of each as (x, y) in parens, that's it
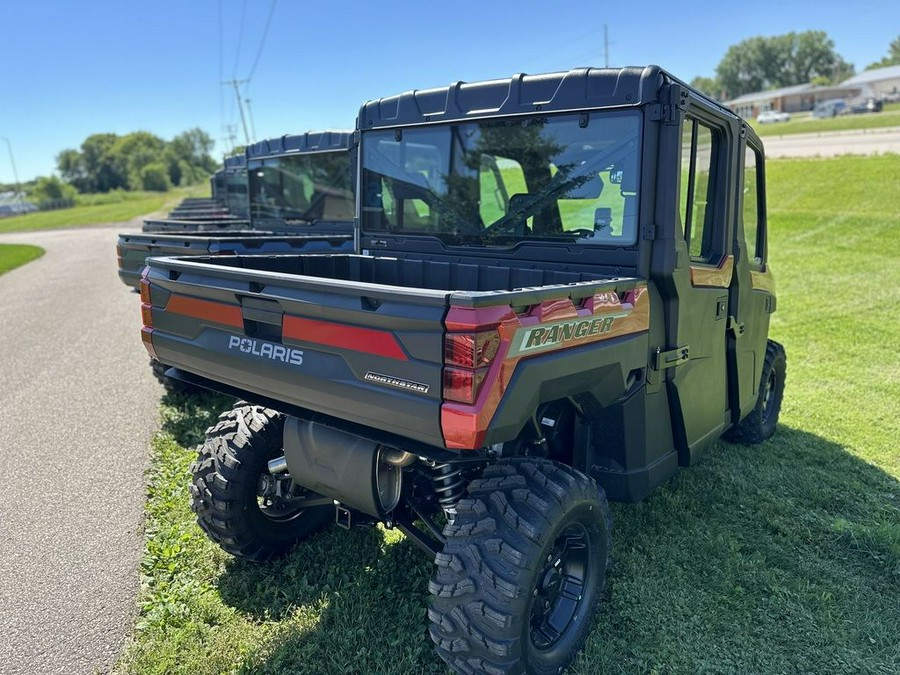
(696, 207)
(753, 236)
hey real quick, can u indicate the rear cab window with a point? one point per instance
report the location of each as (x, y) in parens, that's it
(573, 178)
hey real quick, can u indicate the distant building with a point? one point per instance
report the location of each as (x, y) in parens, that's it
(881, 83)
(14, 204)
(798, 98)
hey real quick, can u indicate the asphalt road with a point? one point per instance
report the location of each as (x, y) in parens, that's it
(78, 406)
(831, 143)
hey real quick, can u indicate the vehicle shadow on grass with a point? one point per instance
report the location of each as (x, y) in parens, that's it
(349, 601)
(783, 557)
(187, 416)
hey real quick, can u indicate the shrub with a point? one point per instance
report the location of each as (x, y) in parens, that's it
(153, 177)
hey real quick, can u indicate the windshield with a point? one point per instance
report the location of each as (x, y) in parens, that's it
(236, 191)
(571, 177)
(304, 188)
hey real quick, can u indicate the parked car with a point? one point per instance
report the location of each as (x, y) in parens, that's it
(772, 116)
(863, 105)
(830, 108)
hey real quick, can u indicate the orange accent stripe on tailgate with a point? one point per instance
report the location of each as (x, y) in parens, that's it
(368, 340)
(206, 310)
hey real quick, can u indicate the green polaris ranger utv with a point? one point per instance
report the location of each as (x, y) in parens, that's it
(560, 294)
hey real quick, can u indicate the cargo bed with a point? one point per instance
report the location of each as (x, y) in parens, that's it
(362, 337)
(133, 249)
(187, 225)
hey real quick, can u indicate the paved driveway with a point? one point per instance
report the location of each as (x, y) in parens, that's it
(78, 406)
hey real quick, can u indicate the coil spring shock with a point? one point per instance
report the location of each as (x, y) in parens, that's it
(449, 485)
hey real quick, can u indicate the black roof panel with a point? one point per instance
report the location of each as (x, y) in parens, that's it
(311, 141)
(578, 89)
(235, 162)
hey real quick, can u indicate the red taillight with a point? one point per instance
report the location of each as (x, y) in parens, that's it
(461, 385)
(146, 336)
(471, 350)
(466, 358)
(146, 306)
(145, 290)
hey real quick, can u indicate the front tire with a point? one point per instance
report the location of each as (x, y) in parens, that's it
(225, 490)
(761, 422)
(522, 570)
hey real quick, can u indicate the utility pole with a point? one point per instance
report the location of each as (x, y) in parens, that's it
(232, 138)
(250, 115)
(606, 45)
(12, 160)
(237, 93)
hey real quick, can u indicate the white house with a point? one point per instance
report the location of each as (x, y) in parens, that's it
(790, 99)
(877, 83)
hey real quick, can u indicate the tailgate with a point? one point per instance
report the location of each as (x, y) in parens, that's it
(368, 353)
(132, 251)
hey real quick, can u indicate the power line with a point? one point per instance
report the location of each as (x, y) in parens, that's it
(262, 42)
(221, 75)
(237, 54)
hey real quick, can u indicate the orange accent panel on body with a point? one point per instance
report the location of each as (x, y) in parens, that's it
(714, 277)
(763, 281)
(548, 327)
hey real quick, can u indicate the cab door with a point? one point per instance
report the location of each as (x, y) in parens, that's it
(752, 292)
(695, 362)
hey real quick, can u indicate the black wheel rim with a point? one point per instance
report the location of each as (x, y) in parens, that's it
(274, 508)
(769, 396)
(560, 589)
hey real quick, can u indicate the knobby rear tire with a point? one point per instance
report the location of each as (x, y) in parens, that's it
(226, 477)
(495, 575)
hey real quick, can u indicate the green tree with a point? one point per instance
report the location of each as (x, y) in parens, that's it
(892, 59)
(52, 189)
(760, 63)
(71, 167)
(188, 157)
(101, 173)
(134, 151)
(153, 176)
(90, 169)
(708, 85)
(108, 162)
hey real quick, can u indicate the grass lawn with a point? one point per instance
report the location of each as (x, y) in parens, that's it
(779, 558)
(109, 208)
(890, 117)
(16, 255)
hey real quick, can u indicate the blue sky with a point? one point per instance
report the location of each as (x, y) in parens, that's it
(75, 68)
